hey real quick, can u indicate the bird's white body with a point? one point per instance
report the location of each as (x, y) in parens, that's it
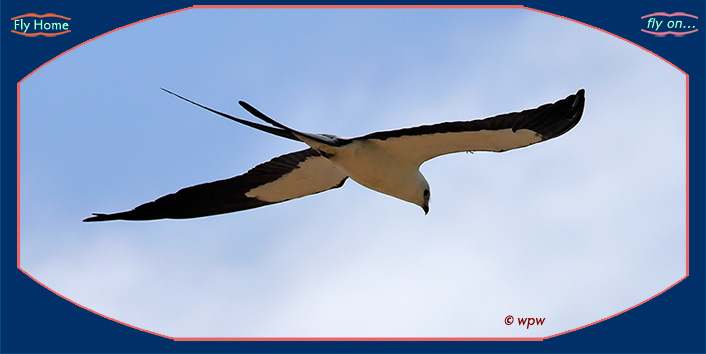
(374, 166)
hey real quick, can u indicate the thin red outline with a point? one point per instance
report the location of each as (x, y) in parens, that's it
(528, 339)
(662, 34)
(40, 33)
(359, 7)
(669, 15)
(40, 16)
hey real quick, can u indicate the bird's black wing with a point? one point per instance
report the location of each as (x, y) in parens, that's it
(499, 133)
(283, 178)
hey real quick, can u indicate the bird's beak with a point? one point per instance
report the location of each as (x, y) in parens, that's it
(426, 209)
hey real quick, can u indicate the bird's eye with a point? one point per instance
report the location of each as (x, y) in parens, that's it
(426, 192)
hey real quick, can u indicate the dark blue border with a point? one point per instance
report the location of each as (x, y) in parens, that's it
(32, 319)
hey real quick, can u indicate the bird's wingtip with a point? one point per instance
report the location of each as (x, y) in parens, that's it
(579, 102)
(98, 217)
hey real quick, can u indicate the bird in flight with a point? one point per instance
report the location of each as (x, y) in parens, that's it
(387, 161)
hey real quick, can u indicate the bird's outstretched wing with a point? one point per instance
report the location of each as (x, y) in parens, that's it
(286, 177)
(500, 133)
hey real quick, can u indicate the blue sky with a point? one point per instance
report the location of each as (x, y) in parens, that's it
(574, 229)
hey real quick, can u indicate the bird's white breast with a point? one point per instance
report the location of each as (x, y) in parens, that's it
(374, 167)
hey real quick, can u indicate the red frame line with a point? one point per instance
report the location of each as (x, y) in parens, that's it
(349, 338)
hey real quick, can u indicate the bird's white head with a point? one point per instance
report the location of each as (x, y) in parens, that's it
(415, 191)
(423, 194)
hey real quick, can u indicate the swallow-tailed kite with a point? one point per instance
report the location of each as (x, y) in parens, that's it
(385, 161)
